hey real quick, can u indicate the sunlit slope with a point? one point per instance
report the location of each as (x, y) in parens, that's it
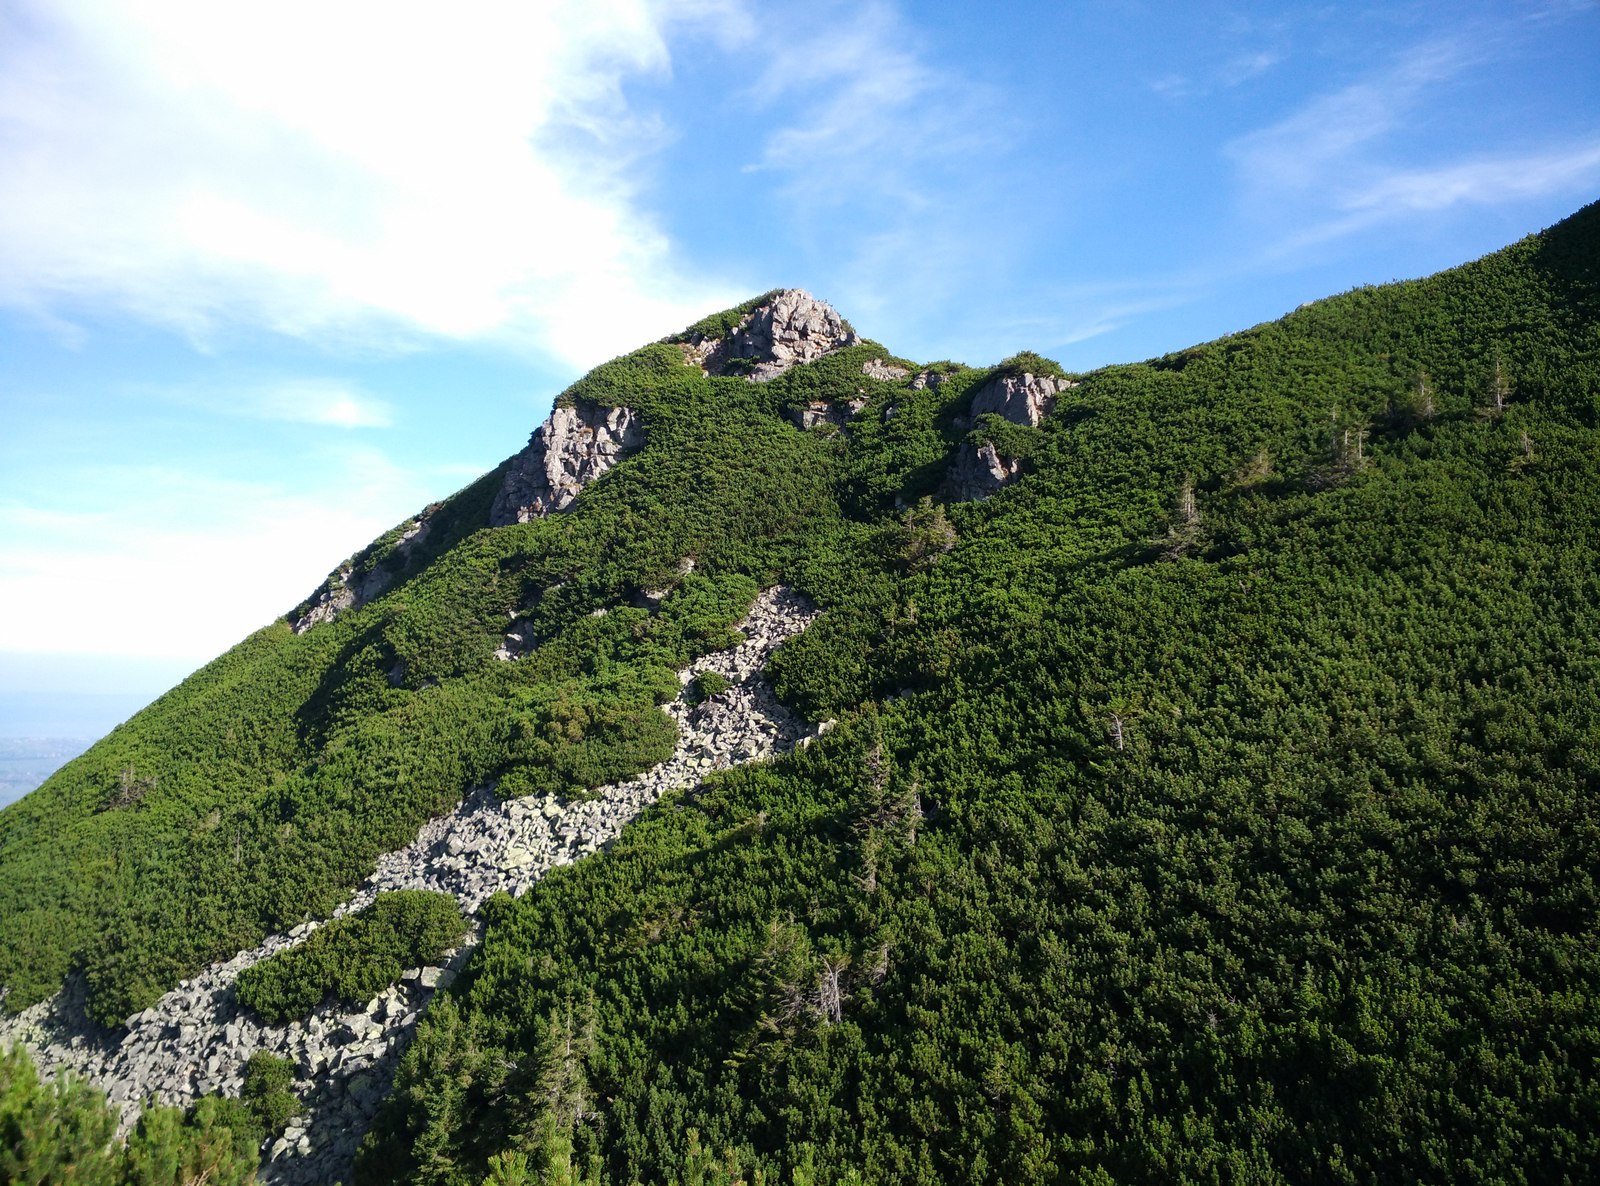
(1255, 843)
(259, 791)
(1214, 801)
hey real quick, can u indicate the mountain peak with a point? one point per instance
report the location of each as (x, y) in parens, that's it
(767, 336)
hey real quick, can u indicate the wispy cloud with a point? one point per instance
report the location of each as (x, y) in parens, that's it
(1315, 144)
(1483, 180)
(367, 169)
(862, 118)
(1234, 71)
(316, 401)
(1351, 158)
(207, 559)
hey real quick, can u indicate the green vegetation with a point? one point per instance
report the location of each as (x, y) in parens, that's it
(1214, 804)
(720, 325)
(708, 684)
(354, 958)
(62, 1132)
(267, 1095)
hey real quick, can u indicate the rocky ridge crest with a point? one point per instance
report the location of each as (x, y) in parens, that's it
(353, 584)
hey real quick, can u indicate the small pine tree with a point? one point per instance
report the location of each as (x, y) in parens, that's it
(1183, 527)
(1496, 389)
(1422, 402)
(1255, 472)
(1346, 456)
(52, 1132)
(925, 534)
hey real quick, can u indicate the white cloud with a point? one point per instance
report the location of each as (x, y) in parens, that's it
(1351, 159)
(381, 170)
(206, 561)
(328, 403)
(1483, 180)
(863, 119)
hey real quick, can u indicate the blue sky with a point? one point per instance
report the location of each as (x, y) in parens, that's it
(274, 276)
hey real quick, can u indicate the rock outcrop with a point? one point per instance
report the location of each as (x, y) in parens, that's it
(197, 1038)
(978, 471)
(1022, 399)
(791, 328)
(517, 641)
(353, 584)
(820, 411)
(877, 368)
(572, 448)
(979, 468)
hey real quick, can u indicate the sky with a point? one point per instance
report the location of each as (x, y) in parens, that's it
(275, 276)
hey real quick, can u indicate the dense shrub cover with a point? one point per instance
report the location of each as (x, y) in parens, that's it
(1213, 804)
(353, 958)
(62, 1132)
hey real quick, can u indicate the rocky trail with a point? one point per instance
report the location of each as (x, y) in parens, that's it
(196, 1039)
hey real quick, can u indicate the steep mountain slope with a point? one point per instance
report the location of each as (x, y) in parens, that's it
(1211, 795)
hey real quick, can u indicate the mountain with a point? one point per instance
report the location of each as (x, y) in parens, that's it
(1183, 770)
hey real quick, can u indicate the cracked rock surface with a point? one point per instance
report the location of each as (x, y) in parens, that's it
(1022, 399)
(978, 471)
(197, 1038)
(792, 328)
(568, 451)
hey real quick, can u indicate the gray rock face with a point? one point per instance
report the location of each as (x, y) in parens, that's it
(196, 1039)
(344, 590)
(978, 471)
(792, 328)
(876, 368)
(932, 380)
(822, 412)
(567, 452)
(1022, 399)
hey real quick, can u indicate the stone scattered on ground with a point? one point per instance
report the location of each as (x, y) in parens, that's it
(197, 1038)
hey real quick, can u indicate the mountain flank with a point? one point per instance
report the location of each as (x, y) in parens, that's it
(1206, 791)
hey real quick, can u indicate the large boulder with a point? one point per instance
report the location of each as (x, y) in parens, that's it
(572, 448)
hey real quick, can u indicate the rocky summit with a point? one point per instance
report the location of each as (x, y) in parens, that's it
(804, 764)
(786, 329)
